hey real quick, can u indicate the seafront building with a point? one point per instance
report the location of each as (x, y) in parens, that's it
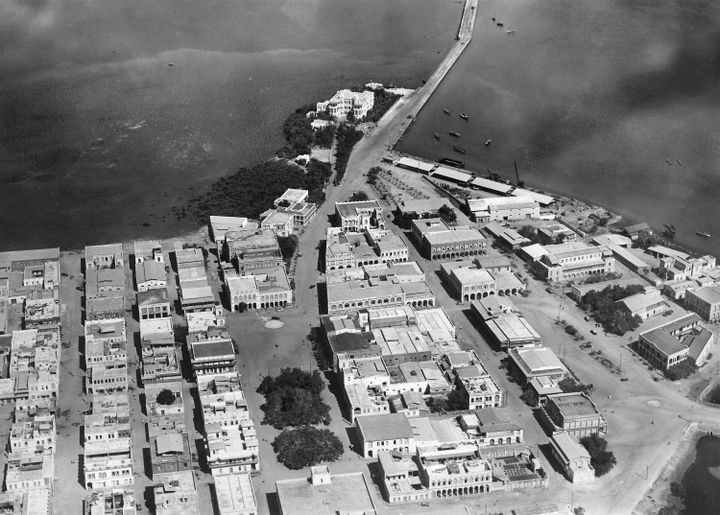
(345, 102)
(506, 209)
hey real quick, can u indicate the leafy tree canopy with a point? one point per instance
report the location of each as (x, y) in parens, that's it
(307, 446)
(601, 459)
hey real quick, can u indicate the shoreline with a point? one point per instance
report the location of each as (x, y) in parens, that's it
(658, 495)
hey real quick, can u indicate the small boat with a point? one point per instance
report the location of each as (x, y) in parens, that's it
(488, 143)
(493, 19)
(464, 116)
(703, 234)
(171, 65)
(510, 31)
(500, 24)
(446, 111)
(437, 136)
(460, 150)
(454, 134)
(452, 162)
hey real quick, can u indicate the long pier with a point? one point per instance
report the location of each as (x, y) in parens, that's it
(464, 35)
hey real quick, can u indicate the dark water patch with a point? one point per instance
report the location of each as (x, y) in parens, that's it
(46, 177)
(713, 395)
(702, 487)
(593, 98)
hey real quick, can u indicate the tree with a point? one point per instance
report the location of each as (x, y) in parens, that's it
(537, 270)
(298, 133)
(288, 245)
(293, 399)
(607, 311)
(166, 397)
(372, 174)
(242, 307)
(571, 330)
(346, 138)
(306, 446)
(569, 385)
(601, 459)
(528, 231)
(457, 400)
(447, 214)
(358, 196)
(324, 137)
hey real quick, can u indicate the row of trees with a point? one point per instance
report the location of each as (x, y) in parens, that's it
(293, 403)
(347, 137)
(613, 316)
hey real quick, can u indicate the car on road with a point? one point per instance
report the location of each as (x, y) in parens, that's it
(593, 331)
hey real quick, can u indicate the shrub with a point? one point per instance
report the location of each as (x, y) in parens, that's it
(447, 214)
(680, 370)
(306, 446)
(569, 385)
(166, 397)
(358, 196)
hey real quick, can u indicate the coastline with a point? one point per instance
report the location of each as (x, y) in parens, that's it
(659, 494)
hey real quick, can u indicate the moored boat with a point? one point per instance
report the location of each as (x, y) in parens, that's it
(703, 234)
(459, 149)
(452, 162)
(454, 134)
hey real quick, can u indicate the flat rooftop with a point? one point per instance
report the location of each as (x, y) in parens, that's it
(388, 426)
(345, 493)
(574, 404)
(709, 294)
(212, 349)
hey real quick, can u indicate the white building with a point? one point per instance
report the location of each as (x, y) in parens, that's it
(346, 101)
(507, 209)
(235, 494)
